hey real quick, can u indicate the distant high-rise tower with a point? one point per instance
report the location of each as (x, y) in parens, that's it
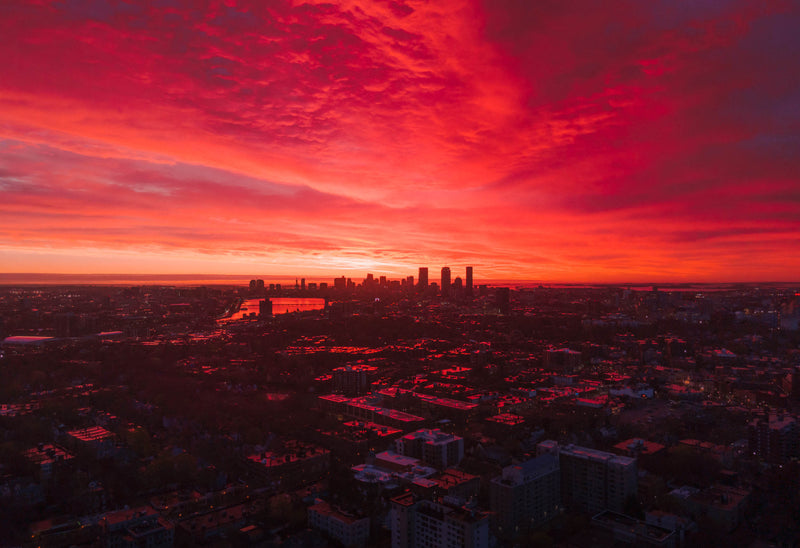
(422, 284)
(445, 280)
(469, 281)
(502, 297)
(340, 284)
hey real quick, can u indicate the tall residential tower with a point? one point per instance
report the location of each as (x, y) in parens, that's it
(422, 283)
(445, 281)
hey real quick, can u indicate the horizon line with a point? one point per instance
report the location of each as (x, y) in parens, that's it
(58, 278)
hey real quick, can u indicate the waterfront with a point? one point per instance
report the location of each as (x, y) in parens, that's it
(280, 305)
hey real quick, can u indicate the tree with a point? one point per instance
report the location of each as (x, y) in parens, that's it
(633, 507)
(139, 440)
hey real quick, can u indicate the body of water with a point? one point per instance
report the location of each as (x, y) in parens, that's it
(280, 305)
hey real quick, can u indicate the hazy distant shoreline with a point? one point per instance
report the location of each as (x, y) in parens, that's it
(17, 279)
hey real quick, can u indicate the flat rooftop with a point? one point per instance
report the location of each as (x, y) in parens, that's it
(406, 499)
(94, 433)
(396, 458)
(431, 437)
(325, 509)
(122, 516)
(642, 446)
(615, 521)
(447, 402)
(27, 340)
(508, 419)
(594, 454)
(272, 460)
(452, 477)
(47, 454)
(399, 415)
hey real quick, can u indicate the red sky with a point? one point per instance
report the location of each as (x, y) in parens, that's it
(549, 140)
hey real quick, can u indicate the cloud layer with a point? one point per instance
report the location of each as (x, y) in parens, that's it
(574, 141)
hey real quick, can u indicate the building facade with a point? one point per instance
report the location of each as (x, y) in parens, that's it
(775, 438)
(526, 495)
(427, 524)
(592, 480)
(434, 447)
(345, 528)
(445, 281)
(422, 282)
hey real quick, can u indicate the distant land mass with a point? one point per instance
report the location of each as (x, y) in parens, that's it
(22, 278)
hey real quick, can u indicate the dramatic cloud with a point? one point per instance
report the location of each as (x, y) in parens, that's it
(573, 141)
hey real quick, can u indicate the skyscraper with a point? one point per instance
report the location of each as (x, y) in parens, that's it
(422, 284)
(340, 284)
(445, 280)
(469, 281)
(502, 298)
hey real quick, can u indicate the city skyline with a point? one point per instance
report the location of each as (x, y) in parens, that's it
(582, 416)
(590, 143)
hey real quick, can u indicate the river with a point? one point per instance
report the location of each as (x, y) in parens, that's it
(280, 305)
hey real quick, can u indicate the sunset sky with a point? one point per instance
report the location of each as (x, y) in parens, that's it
(569, 141)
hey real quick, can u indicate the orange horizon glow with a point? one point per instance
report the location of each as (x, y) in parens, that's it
(604, 142)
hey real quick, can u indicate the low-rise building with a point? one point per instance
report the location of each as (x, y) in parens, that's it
(446, 408)
(95, 440)
(638, 448)
(505, 425)
(346, 528)
(63, 532)
(49, 460)
(142, 526)
(434, 447)
(354, 440)
(203, 527)
(722, 504)
(456, 484)
(342, 406)
(352, 379)
(298, 464)
(632, 531)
